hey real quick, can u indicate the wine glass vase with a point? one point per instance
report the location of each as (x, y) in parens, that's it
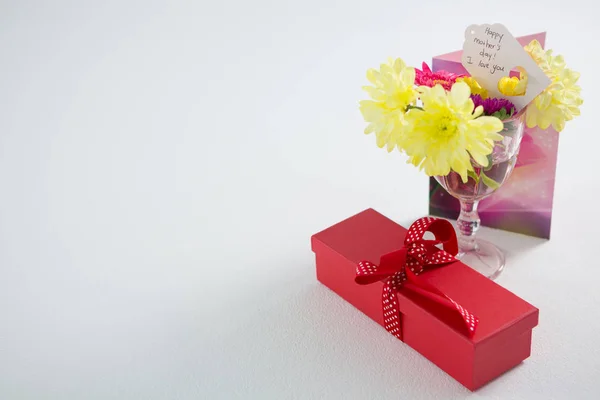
(481, 255)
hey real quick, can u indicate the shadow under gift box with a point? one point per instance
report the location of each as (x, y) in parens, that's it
(502, 339)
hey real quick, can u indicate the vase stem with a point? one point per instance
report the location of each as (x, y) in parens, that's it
(468, 224)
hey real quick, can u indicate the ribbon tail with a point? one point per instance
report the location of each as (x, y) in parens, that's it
(469, 321)
(391, 311)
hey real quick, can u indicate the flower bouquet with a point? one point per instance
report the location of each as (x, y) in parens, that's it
(464, 134)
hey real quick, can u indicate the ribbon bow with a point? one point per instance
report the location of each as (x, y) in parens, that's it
(401, 268)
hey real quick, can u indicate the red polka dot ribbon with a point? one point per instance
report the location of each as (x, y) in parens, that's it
(401, 268)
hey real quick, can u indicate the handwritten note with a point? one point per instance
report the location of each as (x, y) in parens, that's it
(490, 52)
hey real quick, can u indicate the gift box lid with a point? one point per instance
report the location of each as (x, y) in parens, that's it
(369, 235)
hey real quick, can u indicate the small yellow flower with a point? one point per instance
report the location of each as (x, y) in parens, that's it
(513, 86)
(474, 85)
(560, 101)
(392, 92)
(446, 134)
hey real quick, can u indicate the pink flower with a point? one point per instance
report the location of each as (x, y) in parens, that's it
(428, 78)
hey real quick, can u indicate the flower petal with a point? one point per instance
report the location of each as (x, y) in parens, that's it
(460, 93)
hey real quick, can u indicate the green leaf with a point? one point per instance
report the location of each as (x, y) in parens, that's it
(473, 175)
(489, 182)
(501, 114)
(490, 164)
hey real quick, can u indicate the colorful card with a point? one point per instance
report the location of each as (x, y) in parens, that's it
(523, 204)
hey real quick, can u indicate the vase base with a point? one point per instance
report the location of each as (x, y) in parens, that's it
(486, 258)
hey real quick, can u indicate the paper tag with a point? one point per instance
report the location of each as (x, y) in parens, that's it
(490, 52)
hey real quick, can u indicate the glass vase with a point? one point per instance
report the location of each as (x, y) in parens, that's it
(481, 255)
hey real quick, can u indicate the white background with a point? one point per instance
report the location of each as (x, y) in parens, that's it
(163, 165)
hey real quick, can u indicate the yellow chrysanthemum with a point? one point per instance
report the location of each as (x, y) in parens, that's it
(513, 86)
(392, 91)
(446, 134)
(560, 101)
(535, 50)
(474, 86)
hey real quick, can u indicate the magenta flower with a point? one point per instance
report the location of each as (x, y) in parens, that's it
(500, 108)
(428, 78)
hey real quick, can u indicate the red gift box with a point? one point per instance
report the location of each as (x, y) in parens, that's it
(503, 335)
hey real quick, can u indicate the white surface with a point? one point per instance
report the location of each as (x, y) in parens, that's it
(162, 167)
